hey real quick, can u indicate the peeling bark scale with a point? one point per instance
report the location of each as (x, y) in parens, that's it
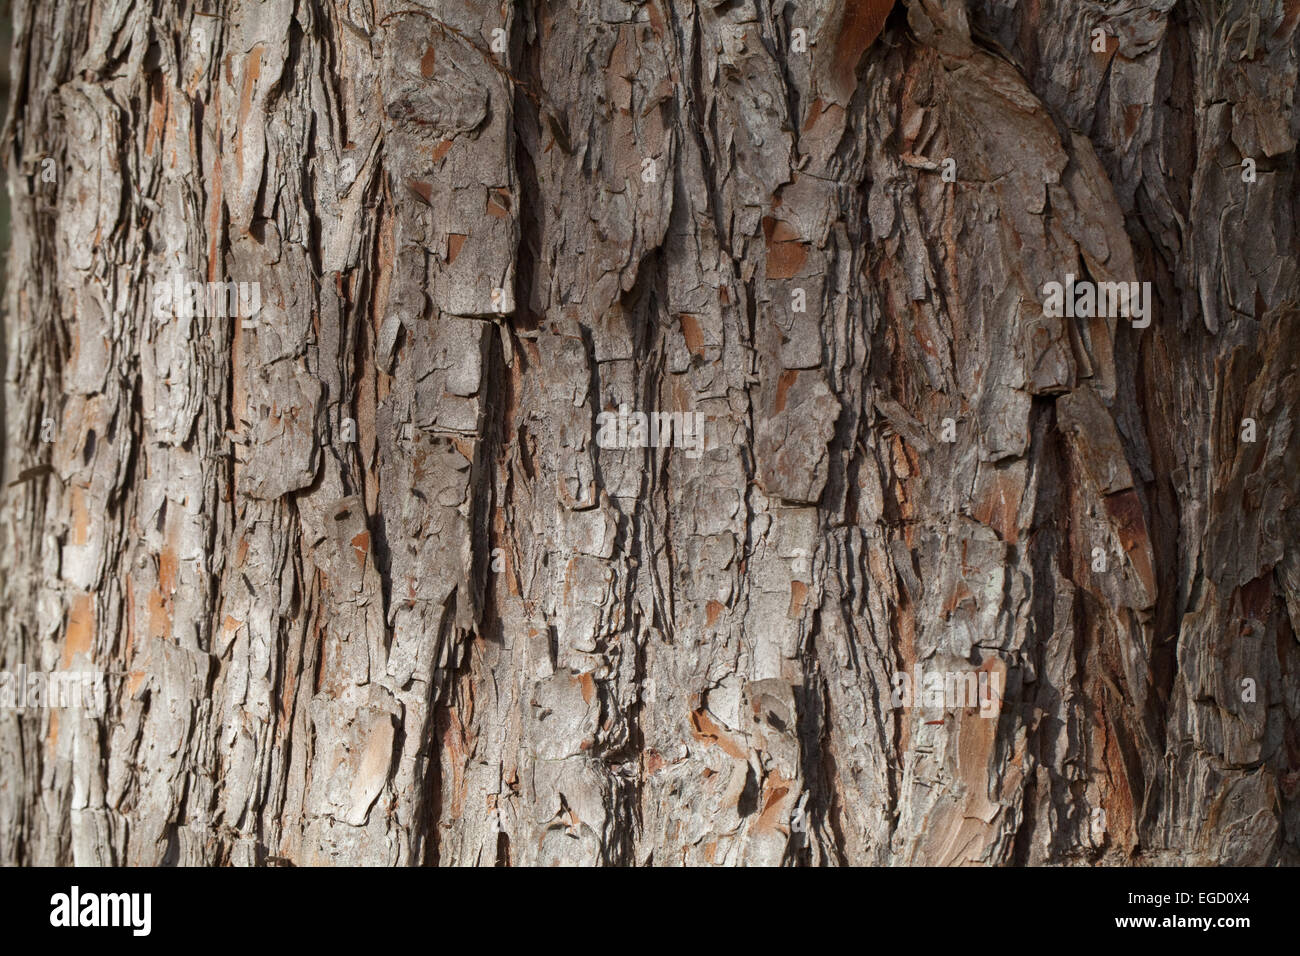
(637, 432)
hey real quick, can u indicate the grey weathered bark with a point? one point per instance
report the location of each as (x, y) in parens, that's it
(366, 585)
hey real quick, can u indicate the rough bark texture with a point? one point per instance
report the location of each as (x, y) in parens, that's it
(470, 634)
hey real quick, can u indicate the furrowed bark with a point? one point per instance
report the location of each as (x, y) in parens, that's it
(368, 579)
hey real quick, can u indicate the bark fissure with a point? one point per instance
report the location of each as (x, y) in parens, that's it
(381, 568)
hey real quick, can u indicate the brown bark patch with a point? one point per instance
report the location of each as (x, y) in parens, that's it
(251, 76)
(1117, 799)
(442, 149)
(783, 384)
(960, 594)
(230, 625)
(656, 19)
(454, 753)
(786, 253)
(80, 629)
(1291, 16)
(654, 761)
(775, 809)
(1131, 116)
(157, 113)
(216, 203)
(500, 202)
(455, 240)
(52, 738)
(1111, 46)
(422, 189)
(361, 544)
(863, 20)
(691, 332)
(999, 506)
(798, 597)
(80, 517)
(167, 567)
(704, 729)
(1125, 510)
(711, 612)
(160, 618)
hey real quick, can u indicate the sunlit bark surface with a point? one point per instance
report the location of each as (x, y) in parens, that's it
(368, 584)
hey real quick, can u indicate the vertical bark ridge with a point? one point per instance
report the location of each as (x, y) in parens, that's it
(372, 584)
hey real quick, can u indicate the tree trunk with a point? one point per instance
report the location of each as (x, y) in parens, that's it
(381, 569)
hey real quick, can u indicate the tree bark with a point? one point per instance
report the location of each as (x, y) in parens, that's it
(369, 586)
